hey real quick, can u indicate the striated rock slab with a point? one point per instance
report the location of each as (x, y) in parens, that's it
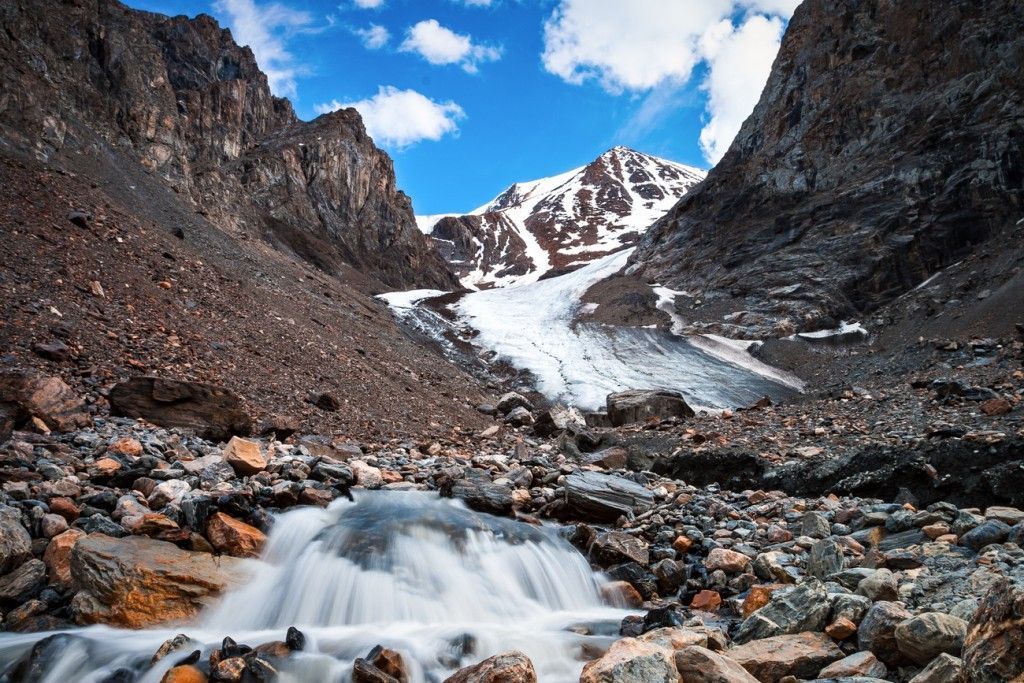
(212, 412)
(603, 497)
(137, 582)
(994, 645)
(802, 655)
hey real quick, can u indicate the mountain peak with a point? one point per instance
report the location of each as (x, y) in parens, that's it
(563, 221)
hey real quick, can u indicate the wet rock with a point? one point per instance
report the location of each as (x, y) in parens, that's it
(34, 664)
(480, 493)
(234, 537)
(604, 497)
(632, 661)
(212, 412)
(877, 632)
(509, 667)
(700, 665)
(245, 456)
(15, 541)
(137, 582)
(926, 636)
(48, 399)
(802, 655)
(943, 669)
(621, 594)
(638, 405)
(992, 531)
(860, 664)
(229, 670)
(802, 608)
(994, 646)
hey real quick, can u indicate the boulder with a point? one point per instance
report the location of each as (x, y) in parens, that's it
(234, 537)
(58, 556)
(508, 667)
(559, 418)
(632, 661)
(804, 607)
(381, 665)
(604, 497)
(30, 394)
(480, 493)
(614, 458)
(877, 632)
(700, 665)
(859, 664)
(211, 411)
(518, 417)
(15, 541)
(637, 405)
(943, 669)
(729, 561)
(992, 531)
(825, 559)
(926, 636)
(136, 582)
(802, 655)
(23, 583)
(994, 646)
(245, 457)
(614, 547)
(510, 401)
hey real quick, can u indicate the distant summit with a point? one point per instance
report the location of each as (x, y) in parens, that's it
(561, 222)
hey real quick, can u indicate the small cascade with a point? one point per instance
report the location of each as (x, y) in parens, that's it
(426, 576)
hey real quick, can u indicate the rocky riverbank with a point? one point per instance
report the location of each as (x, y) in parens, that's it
(764, 563)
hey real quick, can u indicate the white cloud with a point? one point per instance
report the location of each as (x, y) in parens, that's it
(374, 36)
(368, 4)
(477, 3)
(440, 45)
(653, 46)
(739, 62)
(399, 118)
(264, 28)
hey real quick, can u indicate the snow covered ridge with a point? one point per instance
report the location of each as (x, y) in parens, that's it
(536, 327)
(560, 222)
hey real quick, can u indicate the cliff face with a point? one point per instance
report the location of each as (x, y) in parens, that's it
(195, 109)
(888, 143)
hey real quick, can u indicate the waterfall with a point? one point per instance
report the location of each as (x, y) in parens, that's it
(426, 576)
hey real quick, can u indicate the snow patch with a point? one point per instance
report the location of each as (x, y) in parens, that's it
(404, 301)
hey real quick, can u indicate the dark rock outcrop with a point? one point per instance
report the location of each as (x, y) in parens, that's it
(637, 405)
(211, 411)
(887, 144)
(193, 107)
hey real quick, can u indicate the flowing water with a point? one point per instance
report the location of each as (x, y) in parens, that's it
(423, 575)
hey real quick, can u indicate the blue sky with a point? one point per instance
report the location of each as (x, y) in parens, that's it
(469, 96)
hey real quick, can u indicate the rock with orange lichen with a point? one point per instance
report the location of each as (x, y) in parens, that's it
(137, 582)
(233, 537)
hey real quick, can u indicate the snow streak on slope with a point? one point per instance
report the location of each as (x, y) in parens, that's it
(533, 327)
(563, 221)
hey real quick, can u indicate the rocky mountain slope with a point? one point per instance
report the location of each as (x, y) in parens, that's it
(886, 146)
(162, 214)
(192, 107)
(559, 223)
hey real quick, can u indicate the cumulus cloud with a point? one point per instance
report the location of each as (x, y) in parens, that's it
(399, 118)
(739, 62)
(652, 47)
(264, 28)
(440, 45)
(374, 36)
(368, 4)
